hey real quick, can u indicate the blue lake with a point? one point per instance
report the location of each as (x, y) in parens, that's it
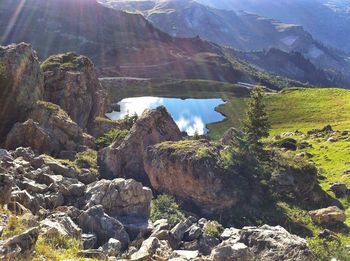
(191, 115)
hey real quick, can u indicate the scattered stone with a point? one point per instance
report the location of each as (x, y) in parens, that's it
(328, 235)
(339, 189)
(88, 241)
(328, 215)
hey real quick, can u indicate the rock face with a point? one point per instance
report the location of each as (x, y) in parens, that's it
(190, 170)
(126, 160)
(72, 83)
(21, 82)
(49, 130)
(120, 197)
(328, 215)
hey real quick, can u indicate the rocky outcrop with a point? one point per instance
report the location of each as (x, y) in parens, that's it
(72, 83)
(126, 160)
(120, 197)
(190, 170)
(48, 130)
(21, 82)
(330, 215)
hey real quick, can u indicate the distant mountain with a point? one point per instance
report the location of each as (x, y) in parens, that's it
(291, 65)
(120, 44)
(327, 20)
(241, 30)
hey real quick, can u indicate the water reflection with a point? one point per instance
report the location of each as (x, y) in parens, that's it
(191, 115)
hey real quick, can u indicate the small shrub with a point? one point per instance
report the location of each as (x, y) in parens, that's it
(165, 207)
(114, 135)
(14, 227)
(328, 250)
(213, 229)
(86, 159)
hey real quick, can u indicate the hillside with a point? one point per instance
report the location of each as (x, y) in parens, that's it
(326, 20)
(119, 43)
(240, 30)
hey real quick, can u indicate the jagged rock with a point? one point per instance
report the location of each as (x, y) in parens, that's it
(147, 250)
(136, 226)
(328, 215)
(180, 229)
(72, 83)
(193, 233)
(6, 183)
(19, 246)
(126, 159)
(237, 251)
(120, 197)
(95, 221)
(191, 171)
(275, 243)
(339, 189)
(21, 82)
(59, 224)
(48, 130)
(88, 241)
(29, 201)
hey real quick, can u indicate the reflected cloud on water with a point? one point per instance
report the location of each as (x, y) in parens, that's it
(191, 115)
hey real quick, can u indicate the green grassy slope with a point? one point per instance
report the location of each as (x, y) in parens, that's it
(293, 109)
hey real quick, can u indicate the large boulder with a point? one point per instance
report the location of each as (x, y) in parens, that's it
(120, 197)
(21, 84)
(96, 221)
(330, 215)
(126, 160)
(48, 130)
(190, 170)
(275, 243)
(72, 83)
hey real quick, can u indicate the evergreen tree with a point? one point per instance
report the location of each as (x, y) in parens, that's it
(256, 124)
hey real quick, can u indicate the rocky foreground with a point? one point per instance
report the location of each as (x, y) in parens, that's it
(55, 186)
